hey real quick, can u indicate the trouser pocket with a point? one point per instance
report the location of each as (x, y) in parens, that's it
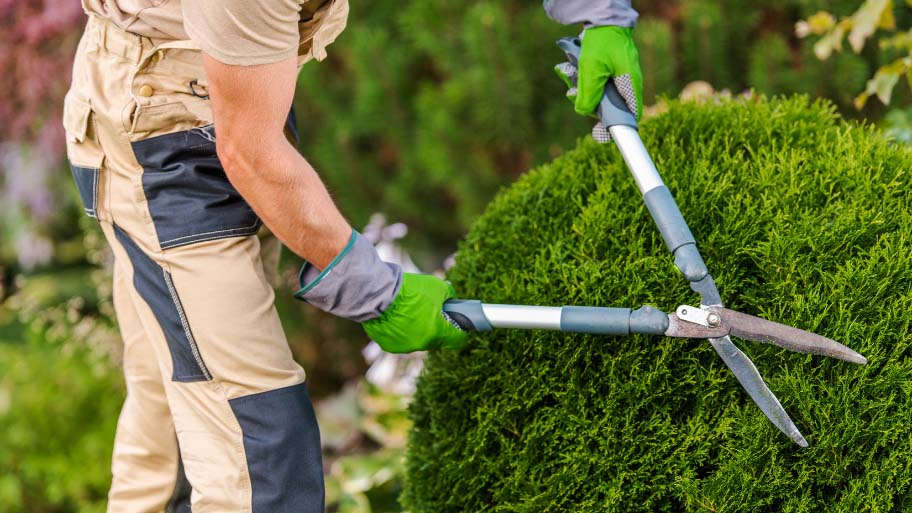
(87, 183)
(189, 196)
(83, 151)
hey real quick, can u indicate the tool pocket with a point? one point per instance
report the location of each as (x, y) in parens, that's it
(87, 183)
(83, 151)
(189, 196)
(170, 93)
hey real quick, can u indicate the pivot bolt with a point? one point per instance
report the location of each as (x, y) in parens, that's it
(713, 320)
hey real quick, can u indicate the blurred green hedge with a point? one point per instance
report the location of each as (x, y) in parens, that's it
(802, 218)
(59, 400)
(425, 109)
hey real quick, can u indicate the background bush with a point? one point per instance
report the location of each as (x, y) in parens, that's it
(802, 218)
(59, 395)
(425, 109)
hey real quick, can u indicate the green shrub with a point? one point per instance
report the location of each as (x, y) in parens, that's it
(655, 43)
(705, 43)
(58, 410)
(60, 393)
(802, 218)
(770, 66)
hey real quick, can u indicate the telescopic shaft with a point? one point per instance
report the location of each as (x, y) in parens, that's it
(473, 315)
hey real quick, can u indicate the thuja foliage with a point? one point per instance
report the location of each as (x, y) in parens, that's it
(802, 218)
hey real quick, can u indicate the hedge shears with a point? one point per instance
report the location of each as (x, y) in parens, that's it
(710, 320)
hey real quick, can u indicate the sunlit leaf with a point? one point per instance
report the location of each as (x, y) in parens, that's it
(900, 41)
(821, 22)
(887, 19)
(832, 41)
(362, 472)
(866, 20)
(884, 80)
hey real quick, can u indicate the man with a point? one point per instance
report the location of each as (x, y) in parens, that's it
(217, 416)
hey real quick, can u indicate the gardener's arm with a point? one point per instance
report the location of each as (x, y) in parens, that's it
(250, 105)
(250, 52)
(608, 50)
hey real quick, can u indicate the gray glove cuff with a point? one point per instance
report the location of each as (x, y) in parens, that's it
(356, 285)
(592, 13)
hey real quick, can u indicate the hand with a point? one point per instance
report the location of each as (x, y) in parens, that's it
(607, 52)
(415, 321)
(402, 312)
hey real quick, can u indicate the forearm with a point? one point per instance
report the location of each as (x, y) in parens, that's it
(288, 195)
(592, 13)
(250, 104)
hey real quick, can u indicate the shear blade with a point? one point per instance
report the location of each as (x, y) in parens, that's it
(761, 330)
(750, 379)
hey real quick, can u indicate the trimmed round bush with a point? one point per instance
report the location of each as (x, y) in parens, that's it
(802, 219)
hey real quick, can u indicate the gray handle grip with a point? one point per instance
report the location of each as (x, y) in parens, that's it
(467, 314)
(613, 321)
(612, 110)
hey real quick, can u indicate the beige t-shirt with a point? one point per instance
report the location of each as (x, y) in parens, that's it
(240, 32)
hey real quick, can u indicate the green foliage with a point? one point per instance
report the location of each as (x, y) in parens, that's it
(58, 409)
(704, 50)
(840, 77)
(871, 17)
(898, 125)
(655, 42)
(60, 392)
(363, 432)
(802, 218)
(425, 109)
(770, 66)
(772, 71)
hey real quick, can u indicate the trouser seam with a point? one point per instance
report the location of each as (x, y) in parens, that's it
(194, 349)
(238, 442)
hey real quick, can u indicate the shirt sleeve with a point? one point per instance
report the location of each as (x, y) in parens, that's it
(244, 32)
(592, 13)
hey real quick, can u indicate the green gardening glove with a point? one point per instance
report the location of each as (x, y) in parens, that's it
(414, 321)
(607, 53)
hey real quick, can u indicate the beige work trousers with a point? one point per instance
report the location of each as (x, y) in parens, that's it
(217, 418)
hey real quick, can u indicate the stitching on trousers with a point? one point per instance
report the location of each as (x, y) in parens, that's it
(180, 311)
(95, 188)
(205, 132)
(254, 225)
(194, 241)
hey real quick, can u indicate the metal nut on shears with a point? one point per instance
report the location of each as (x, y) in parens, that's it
(713, 320)
(698, 316)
